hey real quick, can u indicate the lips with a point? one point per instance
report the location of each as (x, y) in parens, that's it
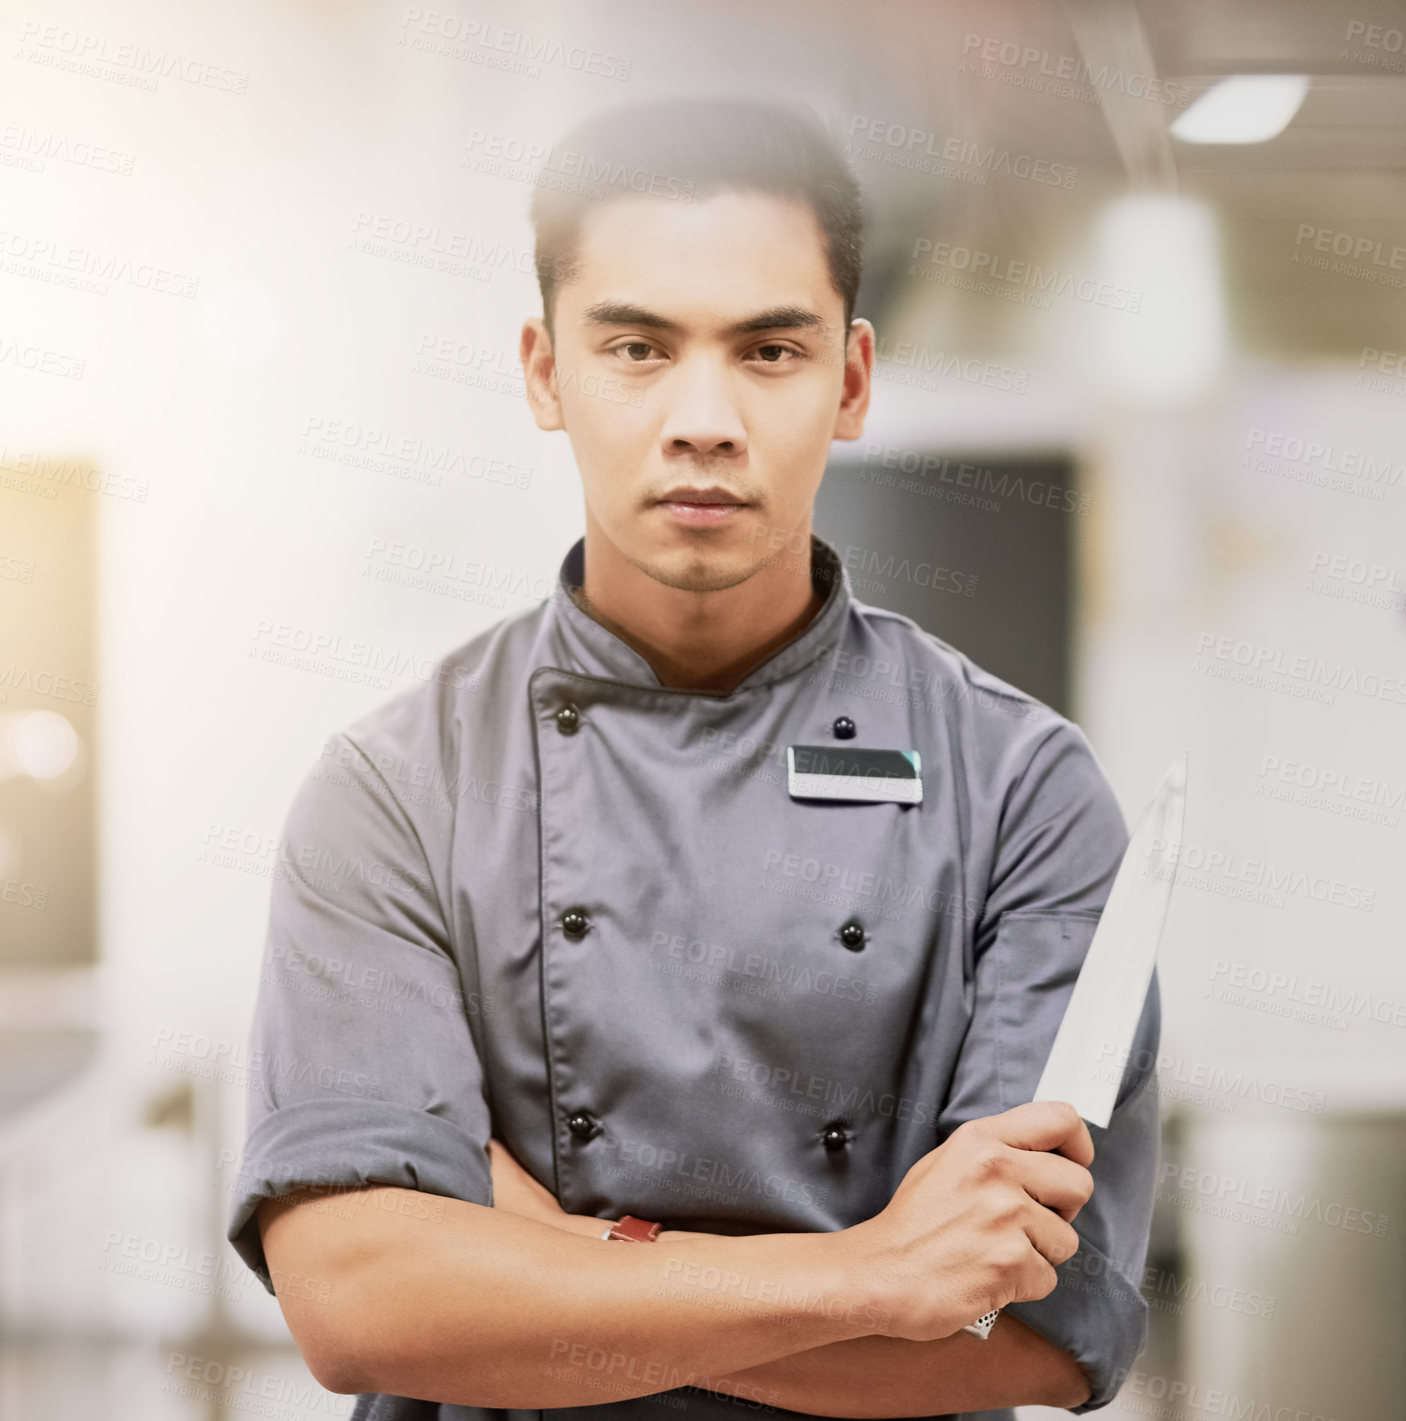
(711, 507)
(709, 497)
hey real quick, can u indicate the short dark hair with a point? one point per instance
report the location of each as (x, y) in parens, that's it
(694, 148)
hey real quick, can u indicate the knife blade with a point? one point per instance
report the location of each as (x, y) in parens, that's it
(1100, 1019)
(1104, 1008)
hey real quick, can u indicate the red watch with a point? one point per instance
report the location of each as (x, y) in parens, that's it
(633, 1230)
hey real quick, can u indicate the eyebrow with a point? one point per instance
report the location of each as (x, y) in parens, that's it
(625, 313)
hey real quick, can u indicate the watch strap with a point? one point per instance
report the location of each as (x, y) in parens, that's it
(633, 1230)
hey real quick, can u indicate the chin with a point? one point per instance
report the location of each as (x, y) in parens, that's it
(699, 569)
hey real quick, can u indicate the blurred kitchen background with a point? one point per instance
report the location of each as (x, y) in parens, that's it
(1139, 276)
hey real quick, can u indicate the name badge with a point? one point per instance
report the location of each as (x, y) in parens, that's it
(829, 772)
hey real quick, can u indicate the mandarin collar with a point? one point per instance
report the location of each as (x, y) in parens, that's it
(580, 643)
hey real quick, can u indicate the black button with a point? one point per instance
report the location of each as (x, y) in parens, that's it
(568, 720)
(852, 935)
(844, 728)
(574, 923)
(583, 1125)
(835, 1136)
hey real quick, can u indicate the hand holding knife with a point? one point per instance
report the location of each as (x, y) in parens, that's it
(1101, 1017)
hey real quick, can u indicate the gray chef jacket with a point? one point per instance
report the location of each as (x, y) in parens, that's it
(545, 898)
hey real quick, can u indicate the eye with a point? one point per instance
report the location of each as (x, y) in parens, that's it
(633, 346)
(776, 354)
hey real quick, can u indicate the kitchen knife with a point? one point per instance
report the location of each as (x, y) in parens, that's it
(1091, 1047)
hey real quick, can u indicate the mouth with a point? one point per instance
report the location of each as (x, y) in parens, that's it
(702, 507)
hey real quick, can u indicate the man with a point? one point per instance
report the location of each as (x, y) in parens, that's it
(557, 944)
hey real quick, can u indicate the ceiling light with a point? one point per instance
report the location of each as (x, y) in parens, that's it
(1168, 343)
(1246, 108)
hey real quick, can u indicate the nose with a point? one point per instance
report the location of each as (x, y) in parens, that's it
(702, 417)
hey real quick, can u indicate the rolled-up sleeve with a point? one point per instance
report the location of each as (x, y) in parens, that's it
(363, 1064)
(1061, 839)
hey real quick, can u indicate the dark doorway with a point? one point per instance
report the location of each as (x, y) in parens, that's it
(977, 549)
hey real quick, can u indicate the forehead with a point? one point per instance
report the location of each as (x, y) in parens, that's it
(703, 263)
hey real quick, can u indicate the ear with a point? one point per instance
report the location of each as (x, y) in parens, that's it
(539, 373)
(858, 380)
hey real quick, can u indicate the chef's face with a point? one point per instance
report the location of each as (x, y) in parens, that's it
(700, 369)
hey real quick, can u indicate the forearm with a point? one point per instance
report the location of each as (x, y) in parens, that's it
(887, 1376)
(486, 1308)
(884, 1376)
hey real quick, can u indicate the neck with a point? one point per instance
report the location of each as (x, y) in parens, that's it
(698, 641)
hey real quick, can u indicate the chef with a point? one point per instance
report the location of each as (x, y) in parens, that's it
(701, 906)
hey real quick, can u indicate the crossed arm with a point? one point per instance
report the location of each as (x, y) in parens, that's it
(872, 1376)
(395, 1291)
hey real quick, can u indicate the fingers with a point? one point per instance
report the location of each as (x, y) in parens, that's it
(1044, 1125)
(1049, 1235)
(1057, 1183)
